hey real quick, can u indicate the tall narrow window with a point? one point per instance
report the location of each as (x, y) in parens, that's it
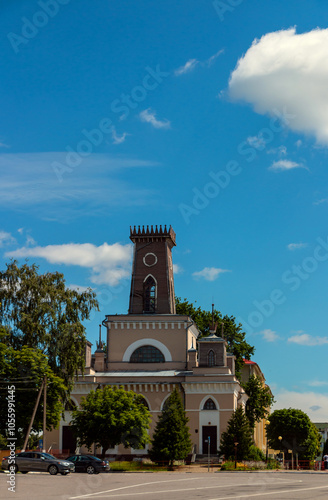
(150, 295)
(211, 358)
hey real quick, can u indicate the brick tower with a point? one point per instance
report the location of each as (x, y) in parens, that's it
(152, 285)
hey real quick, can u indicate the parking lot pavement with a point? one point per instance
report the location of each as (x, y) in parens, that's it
(160, 486)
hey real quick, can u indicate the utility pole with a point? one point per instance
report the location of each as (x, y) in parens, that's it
(44, 413)
(33, 415)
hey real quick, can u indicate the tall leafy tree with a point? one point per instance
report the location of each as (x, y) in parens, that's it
(40, 312)
(171, 439)
(325, 448)
(233, 333)
(111, 416)
(297, 431)
(260, 400)
(24, 370)
(238, 431)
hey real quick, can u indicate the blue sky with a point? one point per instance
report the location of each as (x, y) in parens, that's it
(210, 116)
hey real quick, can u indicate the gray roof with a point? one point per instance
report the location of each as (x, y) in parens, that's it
(211, 338)
(141, 373)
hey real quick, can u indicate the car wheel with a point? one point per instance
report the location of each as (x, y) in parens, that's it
(91, 469)
(16, 468)
(53, 470)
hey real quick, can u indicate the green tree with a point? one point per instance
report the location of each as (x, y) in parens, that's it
(239, 431)
(260, 400)
(325, 449)
(25, 370)
(171, 439)
(297, 431)
(39, 312)
(3, 443)
(233, 333)
(111, 416)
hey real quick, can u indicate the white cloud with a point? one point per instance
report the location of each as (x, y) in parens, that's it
(30, 241)
(298, 143)
(177, 269)
(109, 264)
(318, 383)
(257, 142)
(269, 335)
(296, 246)
(281, 151)
(149, 116)
(6, 238)
(118, 139)
(211, 59)
(186, 68)
(284, 165)
(309, 340)
(190, 65)
(315, 405)
(209, 273)
(97, 183)
(278, 71)
(319, 202)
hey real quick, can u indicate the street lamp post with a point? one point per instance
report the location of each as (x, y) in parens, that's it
(236, 444)
(280, 439)
(267, 445)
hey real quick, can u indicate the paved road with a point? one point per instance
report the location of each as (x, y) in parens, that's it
(168, 486)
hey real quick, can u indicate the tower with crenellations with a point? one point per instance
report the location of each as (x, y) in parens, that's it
(152, 283)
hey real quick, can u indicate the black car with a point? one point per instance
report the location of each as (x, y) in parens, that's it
(89, 464)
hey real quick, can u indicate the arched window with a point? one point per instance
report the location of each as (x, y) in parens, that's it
(143, 401)
(149, 295)
(209, 405)
(211, 358)
(147, 354)
(70, 405)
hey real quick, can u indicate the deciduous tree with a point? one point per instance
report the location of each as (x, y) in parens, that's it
(233, 333)
(260, 400)
(325, 449)
(40, 312)
(297, 431)
(111, 416)
(24, 370)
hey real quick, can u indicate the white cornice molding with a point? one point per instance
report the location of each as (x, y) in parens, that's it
(210, 387)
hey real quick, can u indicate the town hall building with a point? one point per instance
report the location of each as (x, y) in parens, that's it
(152, 350)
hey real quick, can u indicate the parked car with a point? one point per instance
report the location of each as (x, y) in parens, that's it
(89, 464)
(32, 461)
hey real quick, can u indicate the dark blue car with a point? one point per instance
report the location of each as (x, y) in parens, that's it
(89, 464)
